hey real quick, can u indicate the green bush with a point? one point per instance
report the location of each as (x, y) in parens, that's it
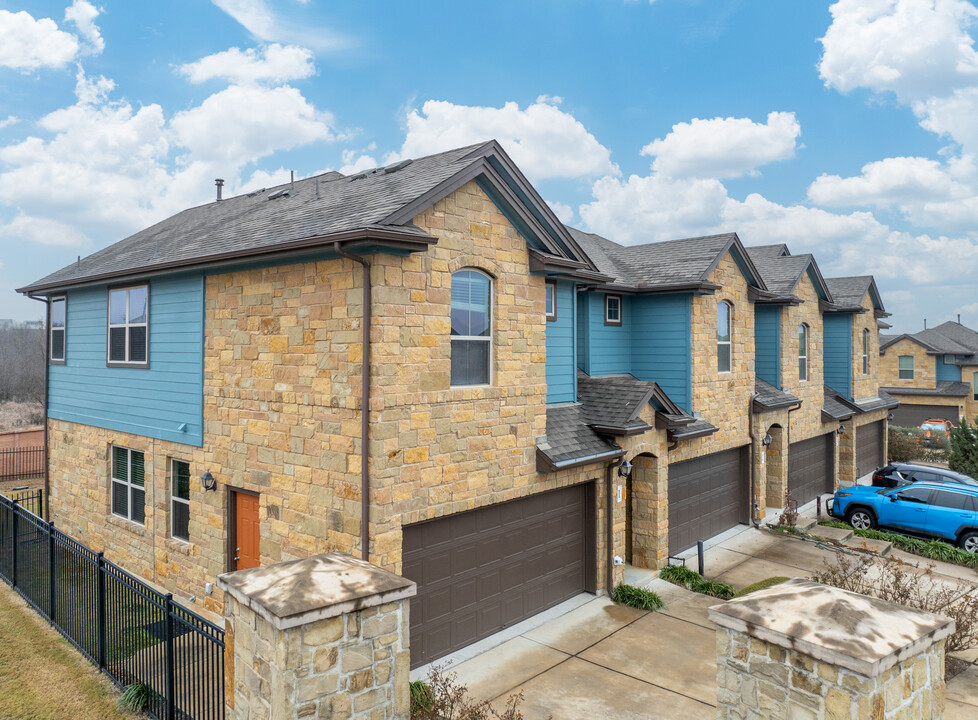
(931, 549)
(692, 580)
(963, 451)
(136, 697)
(422, 698)
(636, 597)
(763, 584)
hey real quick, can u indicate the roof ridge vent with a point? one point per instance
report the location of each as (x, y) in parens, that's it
(284, 192)
(394, 167)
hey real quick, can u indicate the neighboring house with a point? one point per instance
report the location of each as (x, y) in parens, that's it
(934, 374)
(209, 378)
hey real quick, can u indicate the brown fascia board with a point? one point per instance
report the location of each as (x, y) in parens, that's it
(546, 465)
(659, 394)
(930, 349)
(881, 314)
(622, 430)
(554, 265)
(828, 418)
(663, 422)
(835, 308)
(697, 288)
(818, 273)
(735, 241)
(692, 436)
(393, 239)
(763, 407)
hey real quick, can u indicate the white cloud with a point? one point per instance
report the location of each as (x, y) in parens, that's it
(543, 140)
(902, 180)
(258, 18)
(564, 213)
(275, 63)
(724, 147)
(352, 163)
(83, 15)
(42, 231)
(27, 44)
(11, 120)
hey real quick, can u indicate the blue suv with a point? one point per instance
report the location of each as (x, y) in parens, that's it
(938, 510)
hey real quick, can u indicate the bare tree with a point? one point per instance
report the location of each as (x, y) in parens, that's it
(22, 364)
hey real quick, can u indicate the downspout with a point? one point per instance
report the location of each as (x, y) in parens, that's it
(364, 406)
(45, 509)
(750, 467)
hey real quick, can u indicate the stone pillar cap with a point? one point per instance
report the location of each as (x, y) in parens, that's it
(853, 631)
(299, 592)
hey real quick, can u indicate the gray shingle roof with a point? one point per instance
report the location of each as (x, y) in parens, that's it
(698, 428)
(849, 291)
(950, 338)
(781, 273)
(771, 398)
(945, 388)
(883, 400)
(674, 262)
(836, 407)
(613, 400)
(570, 438)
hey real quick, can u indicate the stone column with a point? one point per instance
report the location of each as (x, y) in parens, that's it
(777, 467)
(650, 512)
(804, 650)
(326, 636)
(846, 454)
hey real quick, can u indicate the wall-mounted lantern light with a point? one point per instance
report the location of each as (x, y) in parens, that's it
(625, 469)
(208, 481)
(841, 430)
(767, 440)
(890, 417)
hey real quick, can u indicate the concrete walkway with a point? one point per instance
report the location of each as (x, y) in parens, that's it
(606, 660)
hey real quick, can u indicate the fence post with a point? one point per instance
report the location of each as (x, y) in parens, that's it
(51, 572)
(100, 608)
(170, 669)
(13, 546)
(40, 504)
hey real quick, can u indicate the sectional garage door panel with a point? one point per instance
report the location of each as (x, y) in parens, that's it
(914, 415)
(811, 468)
(869, 448)
(707, 496)
(486, 569)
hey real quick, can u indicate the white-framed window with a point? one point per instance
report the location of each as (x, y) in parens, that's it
(803, 352)
(905, 367)
(724, 348)
(180, 500)
(471, 328)
(551, 287)
(612, 309)
(58, 327)
(128, 484)
(865, 352)
(128, 334)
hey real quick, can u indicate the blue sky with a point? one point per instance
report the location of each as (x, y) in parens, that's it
(844, 129)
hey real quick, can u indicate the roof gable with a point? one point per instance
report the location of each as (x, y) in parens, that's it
(782, 272)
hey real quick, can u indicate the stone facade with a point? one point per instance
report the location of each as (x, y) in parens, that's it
(924, 370)
(757, 679)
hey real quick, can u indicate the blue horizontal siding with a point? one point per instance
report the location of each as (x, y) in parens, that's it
(609, 346)
(561, 362)
(947, 372)
(152, 402)
(661, 344)
(767, 344)
(837, 352)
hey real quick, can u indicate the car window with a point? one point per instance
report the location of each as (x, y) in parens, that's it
(962, 479)
(915, 494)
(953, 500)
(922, 476)
(932, 426)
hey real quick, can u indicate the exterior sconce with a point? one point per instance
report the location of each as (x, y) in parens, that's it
(208, 481)
(890, 417)
(767, 440)
(625, 469)
(842, 429)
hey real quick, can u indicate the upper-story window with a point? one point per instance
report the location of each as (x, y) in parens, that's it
(724, 311)
(59, 317)
(803, 352)
(612, 309)
(865, 352)
(128, 326)
(551, 288)
(906, 367)
(128, 484)
(471, 328)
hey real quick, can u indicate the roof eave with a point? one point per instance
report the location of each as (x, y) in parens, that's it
(546, 465)
(392, 239)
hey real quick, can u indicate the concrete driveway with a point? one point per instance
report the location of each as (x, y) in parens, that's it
(605, 660)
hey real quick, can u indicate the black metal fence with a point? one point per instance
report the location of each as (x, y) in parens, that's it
(133, 633)
(32, 500)
(21, 462)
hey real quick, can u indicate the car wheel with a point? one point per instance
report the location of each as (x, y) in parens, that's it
(861, 519)
(969, 542)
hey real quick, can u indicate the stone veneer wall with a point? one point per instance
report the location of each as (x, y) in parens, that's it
(924, 370)
(760, 679)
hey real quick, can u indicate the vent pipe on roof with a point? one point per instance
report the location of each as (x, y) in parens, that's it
(925, 323)
(292, 179)
(220, 187)
(959, 318)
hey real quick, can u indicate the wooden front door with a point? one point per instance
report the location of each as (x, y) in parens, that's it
(245, 532)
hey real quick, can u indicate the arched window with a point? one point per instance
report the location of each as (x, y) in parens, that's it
(724, 311)
(865, 352)
(803, 352)
(471, 328)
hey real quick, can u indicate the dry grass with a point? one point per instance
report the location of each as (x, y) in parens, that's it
(42, 677)
(14, 415)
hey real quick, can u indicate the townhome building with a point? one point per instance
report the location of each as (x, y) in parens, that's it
(421, 365)
(934, 374)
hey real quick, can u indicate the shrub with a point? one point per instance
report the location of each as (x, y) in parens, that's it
(963, 452)
(692, 580)
(789, 516)
(907, 584)
(904, 444)
(763, 584)
(441, 697)
(715, 589)
(636, 597)
(136, 697)
(930, 549)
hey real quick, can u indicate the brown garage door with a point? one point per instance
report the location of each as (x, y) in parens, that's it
(869, 448)
(913, 415)
(483, 570)
(707, 495)
(810, 468)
